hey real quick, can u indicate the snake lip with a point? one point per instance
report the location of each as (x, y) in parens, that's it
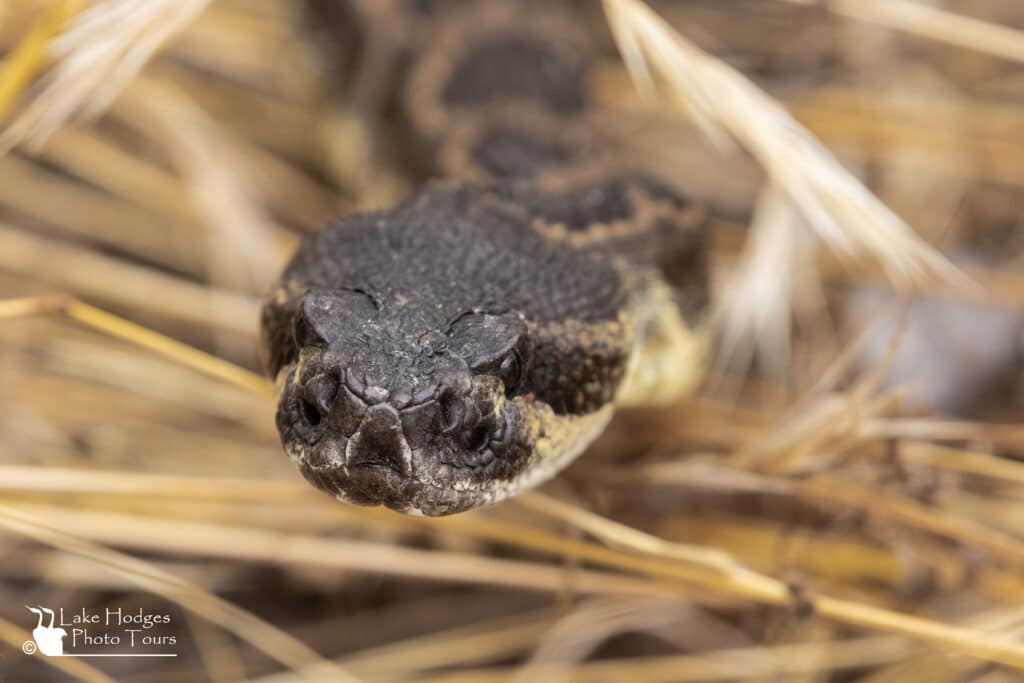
(363, 485)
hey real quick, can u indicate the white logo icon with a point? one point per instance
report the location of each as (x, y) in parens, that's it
(49, 639)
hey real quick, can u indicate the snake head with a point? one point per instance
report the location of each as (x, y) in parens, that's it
(378, 410)
(445, 354)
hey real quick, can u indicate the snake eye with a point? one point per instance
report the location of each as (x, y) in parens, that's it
(512, 369)
(495, 345)
(324, 315)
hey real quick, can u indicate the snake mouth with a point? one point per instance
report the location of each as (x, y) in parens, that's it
(376, 467)
(373, 484)
(366, 484)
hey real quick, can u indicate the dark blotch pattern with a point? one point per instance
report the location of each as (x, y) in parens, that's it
(506, 152)
(519, 67)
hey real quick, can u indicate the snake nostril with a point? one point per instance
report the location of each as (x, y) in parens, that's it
(451, 411)
(316, 399)
(478, 437)
(310, 413)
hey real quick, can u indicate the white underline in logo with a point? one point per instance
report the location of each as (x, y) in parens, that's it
(85, 654)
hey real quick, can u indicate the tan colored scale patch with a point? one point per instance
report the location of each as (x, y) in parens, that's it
(286, 292)
(592, 335)
(669, 356)
(647, 212)
(557, 439)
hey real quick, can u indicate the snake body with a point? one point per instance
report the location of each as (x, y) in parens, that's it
(473, 340)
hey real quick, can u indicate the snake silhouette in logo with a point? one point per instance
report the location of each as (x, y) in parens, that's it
(49, 639)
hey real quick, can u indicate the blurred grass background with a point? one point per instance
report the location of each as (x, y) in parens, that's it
(827, 518)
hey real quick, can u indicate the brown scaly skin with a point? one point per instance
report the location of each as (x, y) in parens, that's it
(472, 341)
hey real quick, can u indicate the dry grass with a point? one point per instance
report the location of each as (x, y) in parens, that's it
(843, 213)
(934, 23)
(798, 520)
(96, 56)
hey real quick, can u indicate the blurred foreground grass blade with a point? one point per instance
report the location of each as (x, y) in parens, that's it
(660, 575)
(260, 634)
(755, 586)
(30, 56)
(791, 662)
(97, 55)
(920, 19)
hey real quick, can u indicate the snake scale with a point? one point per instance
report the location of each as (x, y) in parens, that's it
(472, 341)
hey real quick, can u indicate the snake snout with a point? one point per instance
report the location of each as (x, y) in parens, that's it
(380, 442)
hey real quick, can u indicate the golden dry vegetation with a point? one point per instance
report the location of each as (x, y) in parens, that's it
(830, 507)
